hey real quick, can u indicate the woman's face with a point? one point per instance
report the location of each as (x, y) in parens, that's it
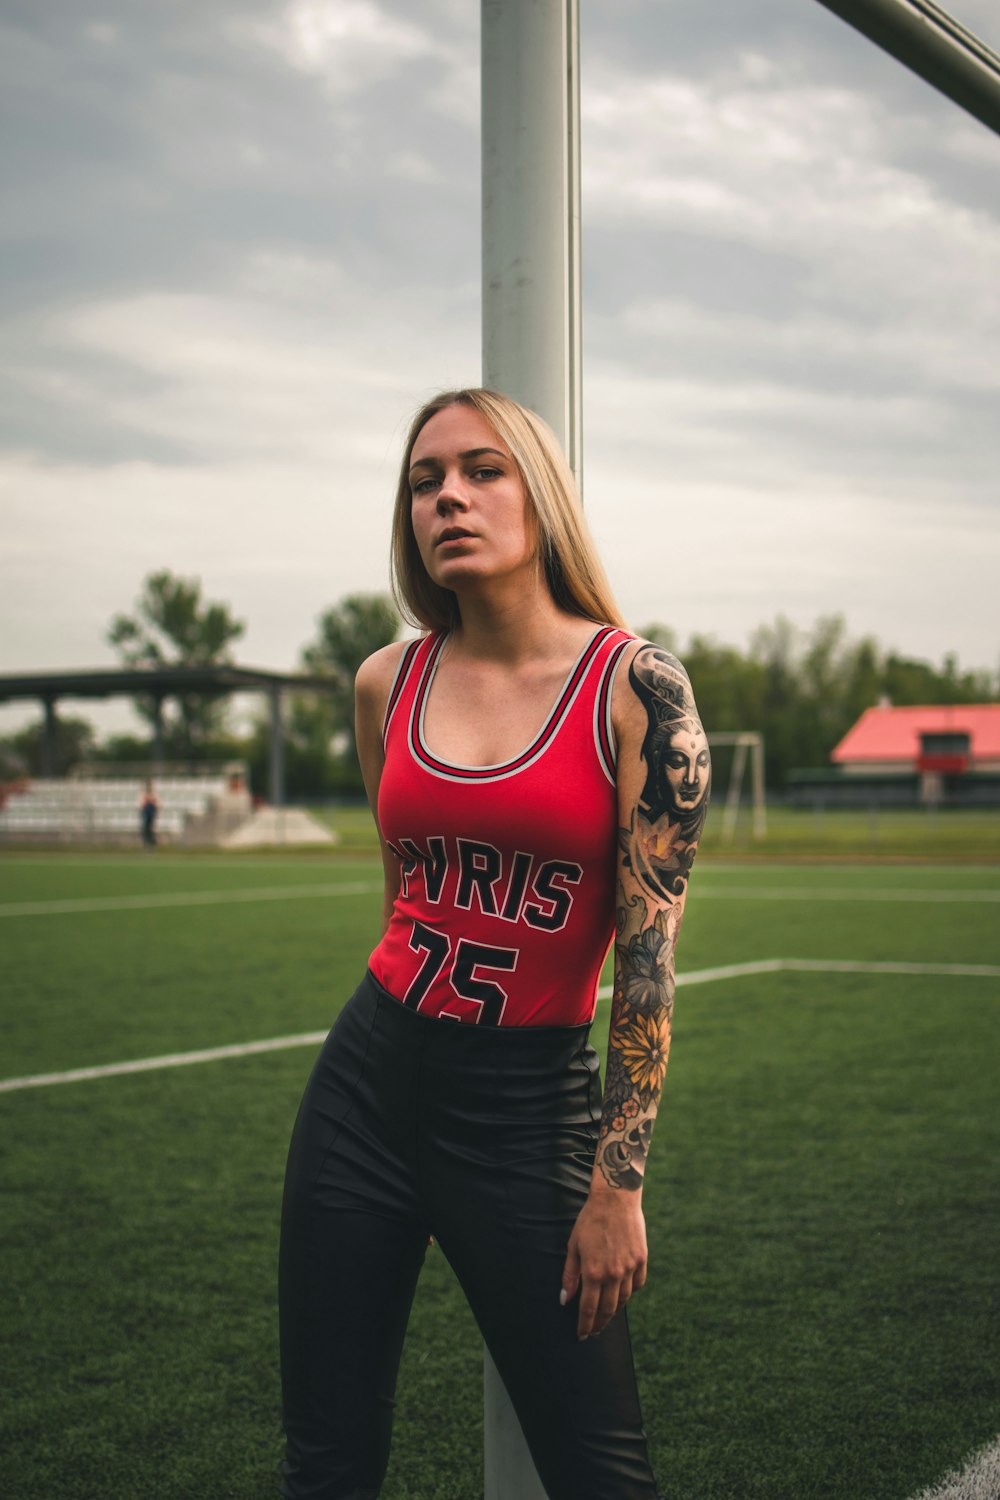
(686, 765)
(468, 507)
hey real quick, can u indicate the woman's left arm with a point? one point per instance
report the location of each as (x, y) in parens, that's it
(664, 773)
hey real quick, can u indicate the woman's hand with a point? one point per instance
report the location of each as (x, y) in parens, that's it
(606, 1256)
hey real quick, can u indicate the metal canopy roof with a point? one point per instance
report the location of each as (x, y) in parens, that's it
(156, 682)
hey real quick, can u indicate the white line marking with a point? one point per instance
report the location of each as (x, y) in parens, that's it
(170, 1060)
(732, 971)
(74, 904)
(852, 966)
(978, 1479)
(208, 860)
(184, 898)
(839, 893)
(314, 1038)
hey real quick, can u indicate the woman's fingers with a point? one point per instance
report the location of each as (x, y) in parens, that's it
(600, 1300)
(628, 1286)
(606, 1257)
(570, 1276)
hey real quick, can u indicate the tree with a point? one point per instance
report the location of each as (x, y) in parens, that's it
(23, 753)
(172, 626)
(348, 633)
(804, 689)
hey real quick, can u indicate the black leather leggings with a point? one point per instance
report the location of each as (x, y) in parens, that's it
(483, 1137)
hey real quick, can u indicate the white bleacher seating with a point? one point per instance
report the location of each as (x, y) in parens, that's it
(108, 810)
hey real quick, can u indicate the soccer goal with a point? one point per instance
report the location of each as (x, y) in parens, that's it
(747, 762)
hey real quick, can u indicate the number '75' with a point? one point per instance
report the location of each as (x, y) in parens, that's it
(469, 956)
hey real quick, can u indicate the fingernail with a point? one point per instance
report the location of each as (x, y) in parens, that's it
(563, 1297)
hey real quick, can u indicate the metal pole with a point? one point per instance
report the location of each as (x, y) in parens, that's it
(929, 41)
(49, 738)
(731, 810)
(759, 797)
(531, 349)
(531, 210)
(277, 749)
(158, 735)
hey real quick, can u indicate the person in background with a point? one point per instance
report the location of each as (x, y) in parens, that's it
(149, 809)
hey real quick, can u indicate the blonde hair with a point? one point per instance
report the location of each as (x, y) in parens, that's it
(573, 571)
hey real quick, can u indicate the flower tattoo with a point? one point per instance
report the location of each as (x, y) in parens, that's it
(645, 1046)
(657, 850)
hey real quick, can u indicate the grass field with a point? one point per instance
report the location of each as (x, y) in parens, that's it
(822, 1313)
(921, 835)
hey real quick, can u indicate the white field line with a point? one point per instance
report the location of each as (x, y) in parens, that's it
(838, 893)
(169, 1060)
(71, 905)
(978, 1479)
(314, 1038)
(213, 861)
(863, 966)
(185, 898)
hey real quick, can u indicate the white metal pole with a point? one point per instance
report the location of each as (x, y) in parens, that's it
(531, 350)
(531, 209)
(927, 39)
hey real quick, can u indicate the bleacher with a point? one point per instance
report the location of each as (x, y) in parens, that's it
(101, 810)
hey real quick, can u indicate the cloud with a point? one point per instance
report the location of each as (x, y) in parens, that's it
(242, 245)
(806, 305)
(285, 367)
(816, 344)
(350, 44)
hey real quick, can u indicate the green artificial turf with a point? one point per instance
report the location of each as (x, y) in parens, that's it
(821, 1315)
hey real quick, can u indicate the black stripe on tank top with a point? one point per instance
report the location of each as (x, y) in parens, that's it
(399, 683)
(604, 735)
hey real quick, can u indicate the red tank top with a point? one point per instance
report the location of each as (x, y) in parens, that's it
(506, 905)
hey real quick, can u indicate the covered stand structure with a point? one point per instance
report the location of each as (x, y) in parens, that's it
(158, 684)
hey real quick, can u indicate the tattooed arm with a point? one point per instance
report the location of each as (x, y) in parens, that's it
(663, 782)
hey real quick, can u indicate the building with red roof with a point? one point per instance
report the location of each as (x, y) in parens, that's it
(932, 754)
(944, 738)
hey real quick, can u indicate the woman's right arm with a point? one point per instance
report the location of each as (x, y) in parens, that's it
(371, 694)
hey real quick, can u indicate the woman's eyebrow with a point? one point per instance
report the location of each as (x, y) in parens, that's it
(435, 463)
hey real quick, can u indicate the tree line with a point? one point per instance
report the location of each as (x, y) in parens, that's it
(802, 689)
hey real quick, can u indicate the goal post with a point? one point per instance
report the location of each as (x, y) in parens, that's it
(747, 746)
(531, 351)
(531, 315)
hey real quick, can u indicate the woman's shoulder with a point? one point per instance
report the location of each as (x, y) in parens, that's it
(648, 664)
(377, 671)
(654, 650)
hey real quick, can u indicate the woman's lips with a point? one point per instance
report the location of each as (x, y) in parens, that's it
(453, 536)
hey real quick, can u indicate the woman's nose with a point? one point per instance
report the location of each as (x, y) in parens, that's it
(451, 495)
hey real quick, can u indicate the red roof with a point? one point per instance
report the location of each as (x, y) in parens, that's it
(894, 733)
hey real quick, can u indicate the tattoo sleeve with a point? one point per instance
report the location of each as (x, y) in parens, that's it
(663, 802)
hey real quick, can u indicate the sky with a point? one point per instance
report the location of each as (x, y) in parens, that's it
(241, 244)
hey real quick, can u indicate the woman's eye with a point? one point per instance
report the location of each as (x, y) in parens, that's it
(486, 473)
(422, 486)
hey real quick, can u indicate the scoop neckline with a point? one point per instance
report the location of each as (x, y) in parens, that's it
(533, 745)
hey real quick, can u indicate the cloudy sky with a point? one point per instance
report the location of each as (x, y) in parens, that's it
(241, 243)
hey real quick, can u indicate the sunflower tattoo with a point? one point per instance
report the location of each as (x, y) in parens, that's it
(644, 1046)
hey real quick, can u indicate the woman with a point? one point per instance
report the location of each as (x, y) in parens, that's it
(518, 761)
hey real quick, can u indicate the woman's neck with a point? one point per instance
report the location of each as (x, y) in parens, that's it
(524, 628)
